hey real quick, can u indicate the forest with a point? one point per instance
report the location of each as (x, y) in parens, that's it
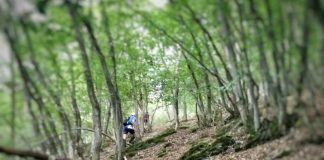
(203, 79)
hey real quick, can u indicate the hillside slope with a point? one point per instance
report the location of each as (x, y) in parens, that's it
(294, 145)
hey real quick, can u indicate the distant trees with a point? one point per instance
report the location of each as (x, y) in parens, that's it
(243, 36)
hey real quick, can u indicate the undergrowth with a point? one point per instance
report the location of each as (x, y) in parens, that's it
(133, 149)
(268, 131)
(202, 150)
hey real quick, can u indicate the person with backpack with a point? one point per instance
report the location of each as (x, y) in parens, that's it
(146, 118)
(129, 127)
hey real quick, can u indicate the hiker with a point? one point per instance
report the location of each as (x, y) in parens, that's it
(146, 117)
(129, 127)
(147, 126)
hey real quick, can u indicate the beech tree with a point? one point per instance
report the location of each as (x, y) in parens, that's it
(79, 67)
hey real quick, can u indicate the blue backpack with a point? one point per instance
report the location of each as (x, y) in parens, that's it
(130, 120)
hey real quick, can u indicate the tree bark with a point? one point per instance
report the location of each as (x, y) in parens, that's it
(107, 118)
(33, 92)
(219, 80)
(280, 98)
(13, 101)
(260, 43)
(251, 82)
(96, 113)
(76, 111)
(210, 37)
(238, 90)
(185, 114)
(176, 105)
(117, 111)
(55, 97)
(199, 96)
(176, 93)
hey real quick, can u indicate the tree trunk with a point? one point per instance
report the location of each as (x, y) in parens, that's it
(140, 113)
(176, 106)
(168, 113)
(199, 97)
(251, 82)
(142, 110)
(13, 101)
(117, 111)
(303, 57)
(210, 38)
(238, 90)
(219, 80)
(107, 118)
(280, 98)
(57, 100)
(176, 93)
(137, 123)
(76, 111)
(96, 117)
(265, 72)
(34, 120)
(185, 114)
(33, 92)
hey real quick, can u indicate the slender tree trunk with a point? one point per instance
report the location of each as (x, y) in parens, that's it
(13, 102)
(199, 96)
(176, 93)
(96, 115)
(76, 111)
(251, 82)
(33, 92)
(280, 98)
(139, 114)
(176, 105)
(142, 108)
(137, 123)
(57, 100)
(263, 60)
(185, 114)
(34, 120)
(238, 90)
(197, 115)
(210, 37)
(135, 102)
(117, 111)
(200, 56)
(317, 7)
(168, 113)
(107, 118)
(116, 101)
(303, 57)
(219, 80)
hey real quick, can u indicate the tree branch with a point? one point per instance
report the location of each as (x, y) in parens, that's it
(26, 153)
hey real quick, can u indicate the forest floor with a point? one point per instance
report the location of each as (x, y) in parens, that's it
(295, 145)
(292, 146)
